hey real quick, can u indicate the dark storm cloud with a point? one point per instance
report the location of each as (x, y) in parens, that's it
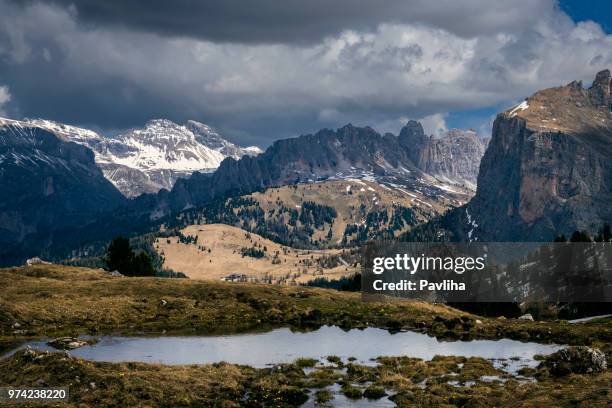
(103, 102)
(299, 21)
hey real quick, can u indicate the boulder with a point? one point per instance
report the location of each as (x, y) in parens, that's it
(527, 316)
(67, 343)
(579, 360)
(37, 261)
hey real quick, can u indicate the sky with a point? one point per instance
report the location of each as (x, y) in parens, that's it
(262, 70)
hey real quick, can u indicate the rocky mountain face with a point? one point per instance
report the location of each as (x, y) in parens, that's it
(547, 169)
(349, 152)
(47, 184)
(148, 159)
(454, 157)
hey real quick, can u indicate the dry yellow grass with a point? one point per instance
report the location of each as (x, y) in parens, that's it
(562, 109)
(56, 300)
(225, 257)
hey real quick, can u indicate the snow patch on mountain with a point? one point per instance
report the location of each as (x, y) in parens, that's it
(163, 144)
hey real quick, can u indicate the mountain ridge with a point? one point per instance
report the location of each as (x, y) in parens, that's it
(349, 151)
(453, 157)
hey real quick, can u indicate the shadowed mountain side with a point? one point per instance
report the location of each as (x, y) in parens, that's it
(47, 185)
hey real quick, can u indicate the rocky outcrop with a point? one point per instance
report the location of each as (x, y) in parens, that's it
(547, 169)
(68, 343)
(36, 261)
(413, 139)
(600, 90)
(456, 157)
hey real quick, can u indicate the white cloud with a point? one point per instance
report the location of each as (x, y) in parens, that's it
(434, 124)
(5, 97)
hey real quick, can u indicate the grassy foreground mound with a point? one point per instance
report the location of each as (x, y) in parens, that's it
(54, 300)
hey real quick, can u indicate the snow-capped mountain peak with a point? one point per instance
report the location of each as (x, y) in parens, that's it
(150, 158)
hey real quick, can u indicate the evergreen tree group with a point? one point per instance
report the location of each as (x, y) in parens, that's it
(121, 257)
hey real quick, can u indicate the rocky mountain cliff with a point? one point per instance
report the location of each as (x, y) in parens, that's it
(148, 159)
(547, 170)
(47, 184)
(454, 157)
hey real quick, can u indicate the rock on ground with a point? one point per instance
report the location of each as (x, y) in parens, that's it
(579, 360)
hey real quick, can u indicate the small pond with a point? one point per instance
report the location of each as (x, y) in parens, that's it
(284, 346)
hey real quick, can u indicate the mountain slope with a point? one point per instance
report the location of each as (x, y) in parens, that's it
(218, 252)
(151, 158)
(208, 137)
(47, 184)
(323, 214)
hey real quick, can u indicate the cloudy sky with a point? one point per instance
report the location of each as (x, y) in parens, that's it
(263, 70)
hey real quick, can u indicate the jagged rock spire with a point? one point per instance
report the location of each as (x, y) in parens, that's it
(600, 90)
(412, 133)
(412, 138)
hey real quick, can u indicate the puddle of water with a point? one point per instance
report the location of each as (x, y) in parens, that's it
(492, 378)
(458, 384)
(284, 346)
(340, 400)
